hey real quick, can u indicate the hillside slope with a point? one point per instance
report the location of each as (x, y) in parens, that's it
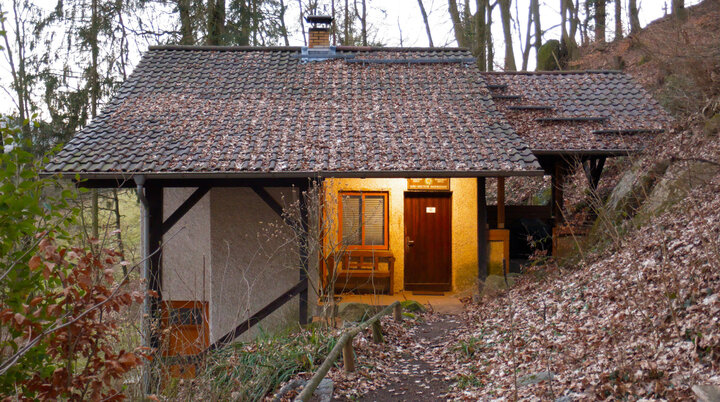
(636, 315)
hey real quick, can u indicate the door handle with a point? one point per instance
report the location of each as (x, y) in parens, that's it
(408, 242)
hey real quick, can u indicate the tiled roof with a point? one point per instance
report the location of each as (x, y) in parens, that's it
(596, 111)
(266, 110)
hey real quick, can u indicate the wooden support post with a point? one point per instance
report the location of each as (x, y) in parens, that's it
(377, 332)
(397, 313)
(501, 203)
(154, 195)
(304, 256)
(482, 233)
(558, 182)
(348, 356)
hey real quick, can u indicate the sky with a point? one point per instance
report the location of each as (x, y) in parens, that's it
(388, 18)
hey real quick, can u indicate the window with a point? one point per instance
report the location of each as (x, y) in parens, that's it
(363, 220)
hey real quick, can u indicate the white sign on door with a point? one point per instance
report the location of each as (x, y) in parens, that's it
(430, 210)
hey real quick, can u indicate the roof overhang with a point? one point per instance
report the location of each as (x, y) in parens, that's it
(176, 179)
(585, 152)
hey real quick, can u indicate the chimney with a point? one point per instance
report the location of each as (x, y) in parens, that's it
(319, 32)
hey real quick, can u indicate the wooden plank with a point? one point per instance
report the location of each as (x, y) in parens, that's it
(482, 232)
(186, 206)
(259, 316)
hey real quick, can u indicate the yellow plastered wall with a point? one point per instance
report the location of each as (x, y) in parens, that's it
(464, 223)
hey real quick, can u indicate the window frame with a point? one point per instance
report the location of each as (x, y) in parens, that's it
(386, 217)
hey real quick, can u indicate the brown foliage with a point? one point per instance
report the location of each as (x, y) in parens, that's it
(75, 319)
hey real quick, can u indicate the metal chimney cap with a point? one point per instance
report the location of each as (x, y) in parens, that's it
(319, 19)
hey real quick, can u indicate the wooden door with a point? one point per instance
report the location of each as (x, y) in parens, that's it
(427, 241)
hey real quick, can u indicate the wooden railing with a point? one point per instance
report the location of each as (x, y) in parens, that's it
(344, 345)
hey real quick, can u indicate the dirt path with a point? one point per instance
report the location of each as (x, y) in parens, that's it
(421, 373)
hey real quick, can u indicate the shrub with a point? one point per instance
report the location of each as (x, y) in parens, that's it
(58, 304)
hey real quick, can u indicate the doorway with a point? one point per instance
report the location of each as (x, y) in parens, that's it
(428, 246)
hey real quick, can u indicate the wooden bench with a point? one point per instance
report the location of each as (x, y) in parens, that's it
(362, 266)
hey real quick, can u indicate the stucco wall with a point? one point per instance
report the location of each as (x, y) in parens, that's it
(464, 223)
(185, 246)
(254, 260)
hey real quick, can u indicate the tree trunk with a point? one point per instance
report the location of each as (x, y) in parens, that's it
(599, 20)
(283, 27)
(634, 16)
(573, 19)
(363, 24)
(677, 5)
(480, 48)
(302, 23)
(528, 38)
(457, 24)
(18, 76)
(427, 25)
(94, 98)
(488, 37)
(505, 18)
(186, 30)
(535, 9)
(563, 20)
(333, 26)
(618, 20)
(215, 22)
(346, 38)
(678, 8)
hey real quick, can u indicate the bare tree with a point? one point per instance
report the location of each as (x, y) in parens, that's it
(427, 25)
(480, 30)
(488, 35)
(506, 18)
(215, 22)
(678, 8)
(618, 20)
(283, 27)
(302, 23)
(634, 16)
(363, 22)
(525, 48)
(458, 27)
(599, 20)
(535, 10)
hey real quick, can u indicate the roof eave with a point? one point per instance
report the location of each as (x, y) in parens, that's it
(125, 176)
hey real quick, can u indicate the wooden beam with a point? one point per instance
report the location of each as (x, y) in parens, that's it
(501, 203)
(259, 316)
(186, 206)
(154, 195)
(272, 203)
(482, 232)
